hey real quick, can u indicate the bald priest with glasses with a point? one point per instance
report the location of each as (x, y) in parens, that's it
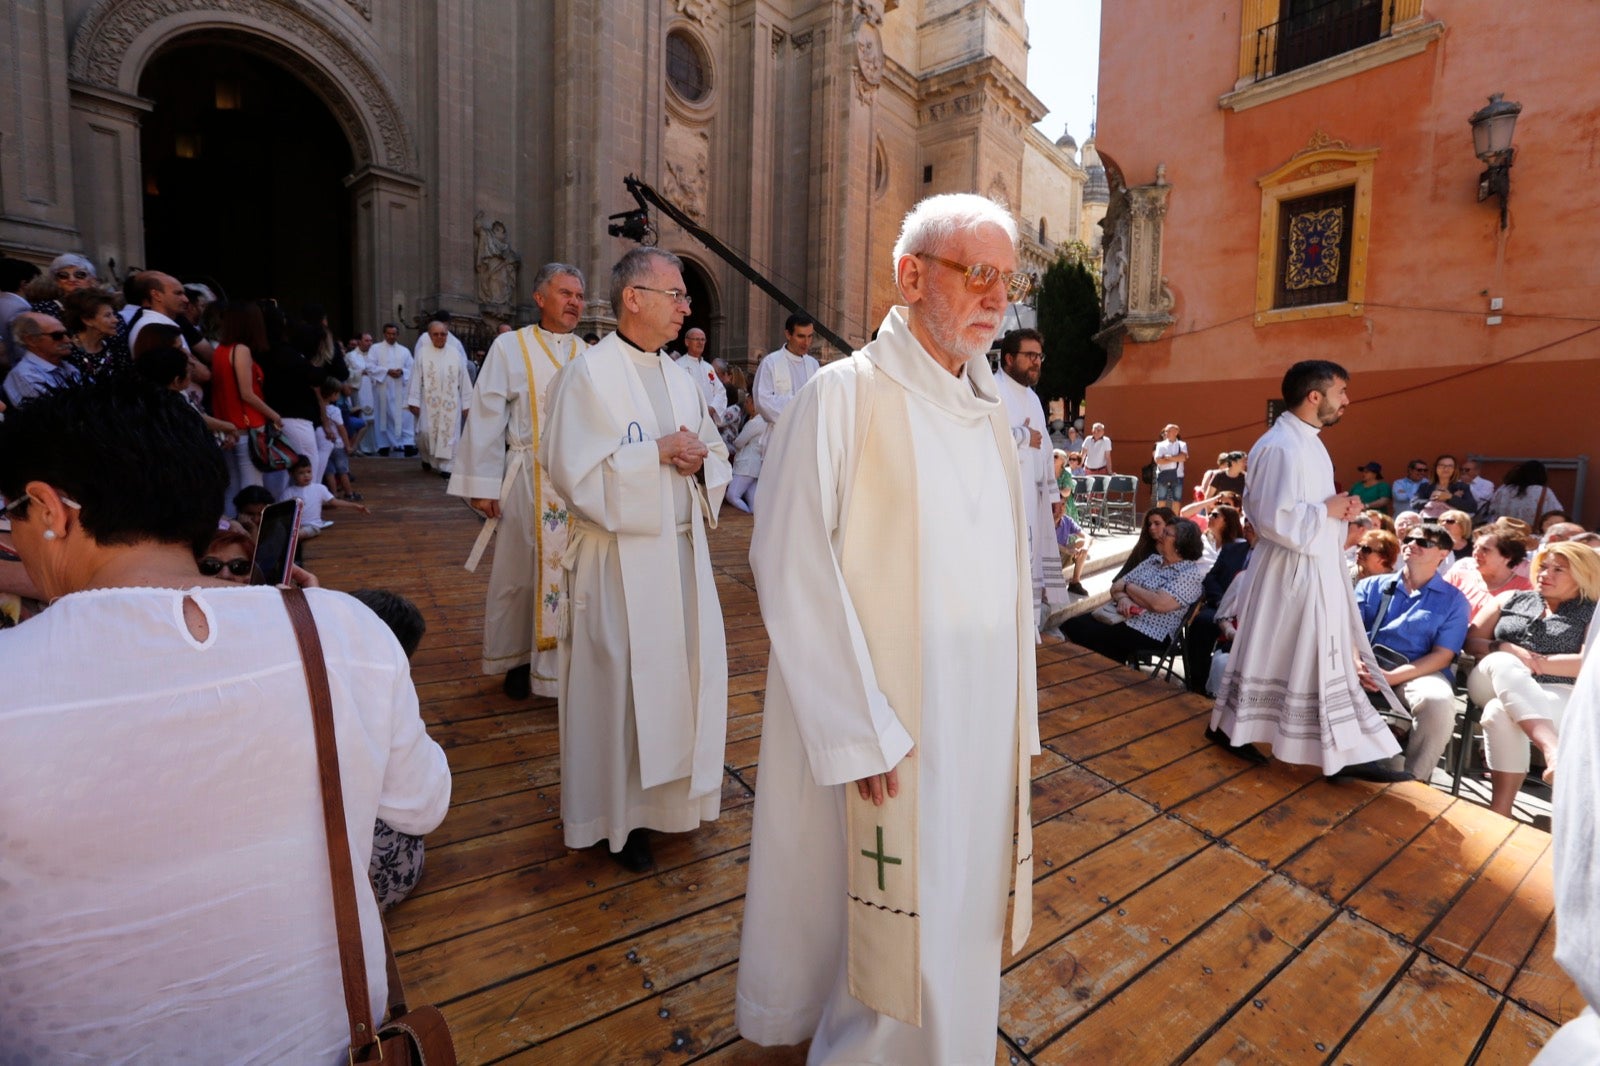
(631, 447)
(890, 553)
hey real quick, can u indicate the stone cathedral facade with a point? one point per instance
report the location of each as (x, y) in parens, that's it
(472, 140)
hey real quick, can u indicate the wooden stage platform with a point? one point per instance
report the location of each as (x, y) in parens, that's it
(1189, 907)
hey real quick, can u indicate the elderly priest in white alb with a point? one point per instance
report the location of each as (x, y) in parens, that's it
(630, 446)
(900, 717)
(498, 473)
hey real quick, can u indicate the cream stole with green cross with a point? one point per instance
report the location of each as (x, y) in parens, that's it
(880, 565)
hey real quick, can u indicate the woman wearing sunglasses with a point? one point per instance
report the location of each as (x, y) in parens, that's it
(158, 777)
(68, 274)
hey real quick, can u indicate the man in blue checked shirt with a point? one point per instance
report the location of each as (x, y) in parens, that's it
(1424, 618)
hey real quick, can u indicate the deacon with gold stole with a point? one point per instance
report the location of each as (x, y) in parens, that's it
(890, 556)
(498, 472)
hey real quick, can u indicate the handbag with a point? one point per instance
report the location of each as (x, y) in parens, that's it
(407, 1035)
(1147, 473)
(269, 451)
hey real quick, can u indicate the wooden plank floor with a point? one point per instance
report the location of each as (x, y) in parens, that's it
(1189, 907)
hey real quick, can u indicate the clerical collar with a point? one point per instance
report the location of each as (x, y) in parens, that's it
(630, 343)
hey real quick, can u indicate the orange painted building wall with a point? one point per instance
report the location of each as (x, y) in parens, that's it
(1428, 375)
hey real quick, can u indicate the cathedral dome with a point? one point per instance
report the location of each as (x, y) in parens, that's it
(1066, 141)
(1096, 190)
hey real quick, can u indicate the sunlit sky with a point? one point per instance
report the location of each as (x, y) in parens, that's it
(1063, 62)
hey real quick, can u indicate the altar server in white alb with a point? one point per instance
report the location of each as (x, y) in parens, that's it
(498, 472)
(631, 447)
(783, 373)
(439, 394)
(1021, 360)
(389, 368)
(890, 553)
(1294, 678)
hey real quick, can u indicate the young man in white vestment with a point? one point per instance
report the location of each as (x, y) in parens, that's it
(359, 387)
(438, 396)
(629, 444)
(783, 373)
(389, 367)
(1293, 680)
(890, 553)
(1575, 833)
(499, 474)
(1021, 360)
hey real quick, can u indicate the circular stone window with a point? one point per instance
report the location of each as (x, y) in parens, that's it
(688, 68)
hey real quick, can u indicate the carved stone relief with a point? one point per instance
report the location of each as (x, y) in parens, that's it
(697, 10)
(999, 192)
(363, 8)
(686, 172)
(352, 87)
(869, 49)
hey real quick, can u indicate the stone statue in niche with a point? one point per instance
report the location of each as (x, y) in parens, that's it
(869, 49)
(1115, 278)
(496, 262)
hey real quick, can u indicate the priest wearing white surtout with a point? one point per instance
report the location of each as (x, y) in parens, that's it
(1294, 680)
(438, 396)
(499, 474)
(1021, 360)
(697, 366)
(890, 555)
(631, 447)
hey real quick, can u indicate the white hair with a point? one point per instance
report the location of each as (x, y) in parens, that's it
(934, 222)
(73, 259)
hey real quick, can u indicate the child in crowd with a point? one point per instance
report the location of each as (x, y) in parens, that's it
(396, 857)
(313, 498)
(336, 474)
(249, 502)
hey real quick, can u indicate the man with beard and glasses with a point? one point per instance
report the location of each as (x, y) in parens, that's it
(891, 557)
(1021, 359)
(1294, 680)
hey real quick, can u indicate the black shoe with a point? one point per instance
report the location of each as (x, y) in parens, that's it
(384, 452)
(635, 855)
(1247, 752)
(1077, 589)
(411, 451)
(518, 683)
(1372, 771)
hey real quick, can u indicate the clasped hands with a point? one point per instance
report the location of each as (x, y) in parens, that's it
(1344, 507)
(683, 450)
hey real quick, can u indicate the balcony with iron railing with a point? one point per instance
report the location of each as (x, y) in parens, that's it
(1311, 32)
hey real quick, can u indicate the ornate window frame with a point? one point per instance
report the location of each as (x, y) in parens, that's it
(1324, 164)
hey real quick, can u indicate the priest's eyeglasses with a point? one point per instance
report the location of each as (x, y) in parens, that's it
(979, 276)
(677, 296)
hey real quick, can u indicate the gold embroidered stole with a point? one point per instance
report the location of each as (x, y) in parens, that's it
(880, 564)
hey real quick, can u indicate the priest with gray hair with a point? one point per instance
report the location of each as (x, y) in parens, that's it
(500, 477)
(890, 554)
(630, 445)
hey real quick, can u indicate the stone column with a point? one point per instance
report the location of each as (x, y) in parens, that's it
(388, 230)
(36, 188)
(455, 191)
(107, 175)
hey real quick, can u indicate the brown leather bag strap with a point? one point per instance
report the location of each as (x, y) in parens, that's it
(352, 958)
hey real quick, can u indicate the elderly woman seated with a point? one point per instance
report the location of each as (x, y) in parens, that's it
(1529, 647)
(1152, 600)
(1376, 554)
(165, 856)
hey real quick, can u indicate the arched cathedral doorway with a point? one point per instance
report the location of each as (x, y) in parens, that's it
(243, 172)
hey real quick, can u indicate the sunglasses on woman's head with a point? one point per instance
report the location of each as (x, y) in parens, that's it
(211, 566)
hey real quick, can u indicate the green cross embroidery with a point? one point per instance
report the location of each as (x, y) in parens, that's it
(880, 858)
